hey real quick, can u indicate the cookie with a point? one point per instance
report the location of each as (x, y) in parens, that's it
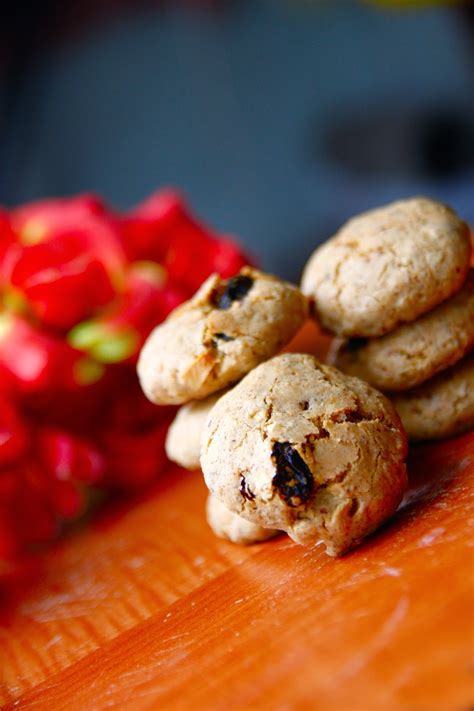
(441, 407)
(300, 447)
(387, 267)
(183, 440)
(223, 332)
(233, 527)
(415, 351)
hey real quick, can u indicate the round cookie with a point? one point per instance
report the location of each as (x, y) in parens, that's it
(441, 407)
(415, 351)
(387, 267)
(233, 527)
(183, 440)
(224, 331)
(300, 447)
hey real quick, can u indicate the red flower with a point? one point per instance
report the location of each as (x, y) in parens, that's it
(6, 235)
(148, 230)
(32, 361)
(38, 221)
(13, 434)
(132, 411)
(10, 543)
(134, 458)
(45, 488)
(60, 281)
(133, 437)
(69, 458)
(118, 335)
(161, 229)
(34, 518)
(191, 261)
(66, 262)
(84, 216)
(81, 289)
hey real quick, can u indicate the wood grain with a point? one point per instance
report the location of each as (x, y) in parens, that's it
(145, 609)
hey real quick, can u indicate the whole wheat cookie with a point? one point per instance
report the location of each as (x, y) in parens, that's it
(300, 447)
(415, 351)
(225, 330)
(233, 527)
(387, 267)
(183, 440)
(441, 407)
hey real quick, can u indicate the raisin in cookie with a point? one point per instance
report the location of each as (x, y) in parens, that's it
(387, 267)
(224, 331)
(441, 407)
(415, 351)
(300, 447)
(233, 527)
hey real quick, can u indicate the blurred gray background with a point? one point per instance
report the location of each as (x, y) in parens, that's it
(278, 119)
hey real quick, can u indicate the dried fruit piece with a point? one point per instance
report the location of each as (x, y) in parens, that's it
(246, 491)
(353, 344)
(236, 289)
(293, 479)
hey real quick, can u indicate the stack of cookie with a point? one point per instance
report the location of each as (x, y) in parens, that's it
(394, 285)
(213, 340)
(294, 445)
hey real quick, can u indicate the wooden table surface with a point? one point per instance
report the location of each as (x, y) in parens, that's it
(146, 609)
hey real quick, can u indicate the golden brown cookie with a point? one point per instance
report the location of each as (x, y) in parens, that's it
(441, 407)
(387, 267)
(183, 441)
(299, 446)
(415, 351)
(224, 331)
(233, 527)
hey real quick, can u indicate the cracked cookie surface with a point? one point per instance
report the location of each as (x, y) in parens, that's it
(233, 527)
(416, 351)
(224, 331)
(441, 407)
(301, 447)
(386, 267)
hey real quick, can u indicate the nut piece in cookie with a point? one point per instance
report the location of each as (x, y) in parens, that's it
(441, 407)
(183, 441)
(387, 267)
(233, 527)
(300, 447)
(224, 331)
(416, 351)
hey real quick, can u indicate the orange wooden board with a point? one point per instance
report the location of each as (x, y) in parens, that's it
(146, 609)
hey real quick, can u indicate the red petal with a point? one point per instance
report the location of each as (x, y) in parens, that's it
(84, 220)
(33, 360)
(57, 212)
(13, 434)
(58, 453)
(146, 303)
(147, 230)
(62, 298)
(135, 460)
(66, 500)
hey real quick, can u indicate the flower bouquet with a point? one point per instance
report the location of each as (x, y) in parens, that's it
(81, 287)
